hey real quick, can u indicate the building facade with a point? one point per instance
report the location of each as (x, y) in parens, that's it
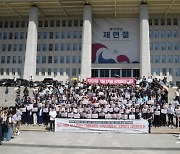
(90, 46)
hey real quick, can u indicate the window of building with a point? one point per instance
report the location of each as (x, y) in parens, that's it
(51, 34)
(7, 71)
(73, 72)
(176, 59)
(177, 71)
(81, 23)
(2, 59)
(16, 36)
(55, 71)
(15, 47)
(6, 24)
(75, 23)
(56, 46)
(14, 60)
(45, 35)
(170, 58)
(39, 35)
(17, 24)
(43, 59)
(80, 34)
(23, 24)
(68, 46)
(75, 34)
(0, 36)
(61, 71)
(4, 47)
(9, 47)
(150, 33)
(11, 24)
(163, 34)
(151, 46)
(158, 71)
(156, 34)
(169, 34)
(49, 71)
(163, 46)
(169, 21)
(38, 59)
(69, 35)
(150, 22)
(57, 23)
(156, 46)
(21, 47)
(5, 36)
(44, 47)
(169, 46)
(63, 23)
(49, 59)
(75, 47)
(22, 35)
(40, 24)
(114, 72)
(2, 71)
(37, 71)
(79, 71)
(157, 59)
(1, 24)
(68, 59)
(8, 59)
(61, 59)
(151, 58)
(176, 45)
(74, 60)
(163, 58)
(175, 21)
(46, 24)
(62, 46)
(57, 35)
(38, 47)
(50, 47)
(162, 21)
(13, 71)
(10, 35)
(43, 71)
(55, 59)
(69, 23)
(104, 73)
(19, 59)
(68, 71)
(164, 71)
(52, 23)
(63, 35)
(171, 71)
(156, 22)
(175, 33)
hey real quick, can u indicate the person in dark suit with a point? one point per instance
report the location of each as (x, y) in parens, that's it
(1, 119)
(149, 119)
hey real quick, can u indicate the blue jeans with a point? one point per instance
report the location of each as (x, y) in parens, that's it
(9, 133)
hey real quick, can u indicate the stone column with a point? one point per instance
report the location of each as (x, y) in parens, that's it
(144, 42)
(86, 43)
(31, 44)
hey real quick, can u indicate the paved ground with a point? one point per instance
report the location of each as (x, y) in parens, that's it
(97, 143)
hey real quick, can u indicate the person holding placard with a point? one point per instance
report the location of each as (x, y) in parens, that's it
(177, 114)
(170, 111)
(163, 115)
(52, 115)
(157, 112)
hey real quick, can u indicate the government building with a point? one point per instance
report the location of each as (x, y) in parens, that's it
(65, 39)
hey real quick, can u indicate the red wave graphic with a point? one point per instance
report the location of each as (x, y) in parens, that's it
(123, 58)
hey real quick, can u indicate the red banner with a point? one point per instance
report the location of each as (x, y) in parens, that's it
(112, 81)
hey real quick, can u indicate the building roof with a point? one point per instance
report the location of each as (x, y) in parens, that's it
(100, 8)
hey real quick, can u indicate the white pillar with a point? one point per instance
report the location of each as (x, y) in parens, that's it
(144, 42)
(86, 43)
(31, 44)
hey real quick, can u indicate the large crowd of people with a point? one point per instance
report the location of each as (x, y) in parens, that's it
(92, 101)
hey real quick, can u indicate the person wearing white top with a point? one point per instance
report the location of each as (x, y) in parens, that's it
(170, 112)
(52, 115)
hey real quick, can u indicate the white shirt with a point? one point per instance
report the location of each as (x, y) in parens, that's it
(52, 115)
